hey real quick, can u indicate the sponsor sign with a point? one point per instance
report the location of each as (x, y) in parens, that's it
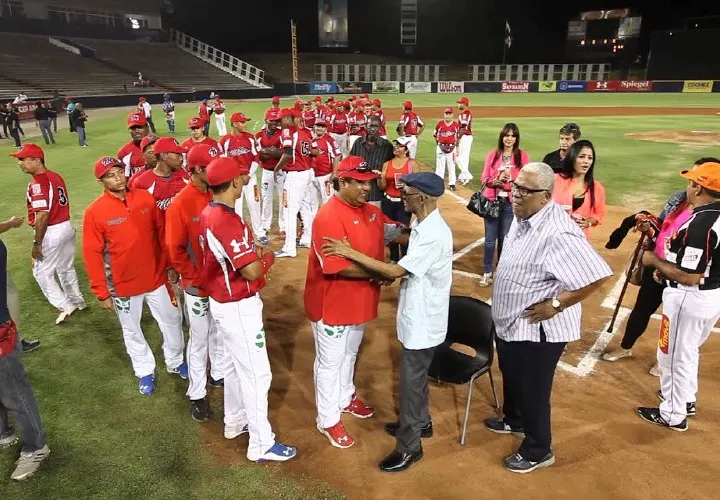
(349, 88)
(635, 86)
(547, 86)
(697, 86)
(451, 87)
(515, 86)
(323, 88)
(664, 340)
(26, 110)
(418, 87)
(603, 86)
(572, 86)
(386, 87)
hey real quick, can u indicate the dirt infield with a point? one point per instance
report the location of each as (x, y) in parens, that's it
(692, 137)
(564, 111)
(603, 449)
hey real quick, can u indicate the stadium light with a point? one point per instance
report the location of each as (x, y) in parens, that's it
(582, 42)
(134, 24)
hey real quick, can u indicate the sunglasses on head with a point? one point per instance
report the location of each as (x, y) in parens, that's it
(363, 168)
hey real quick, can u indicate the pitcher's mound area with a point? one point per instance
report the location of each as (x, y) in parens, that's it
(696, 137)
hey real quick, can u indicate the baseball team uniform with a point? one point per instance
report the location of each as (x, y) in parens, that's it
(131, 154)
(383, 126)
(309, 117)
(411, 123)
(465, 140)
(219, 110)
(357, 122)
(145, 108)
(445, 153)
(204, 114)
(266, 139)
(190, 143)
(321, 187)
(338, 128)
(163, 189)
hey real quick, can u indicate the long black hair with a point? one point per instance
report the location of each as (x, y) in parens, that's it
(517, 157)
(568, 166)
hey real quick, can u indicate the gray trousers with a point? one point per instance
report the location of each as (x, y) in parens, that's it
(46, 131)
(414, 398)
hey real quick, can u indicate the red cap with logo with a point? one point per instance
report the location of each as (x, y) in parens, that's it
(273, 115)
(287, 112)
(147, 140)
(355, 167)
(29, 150)
(276, 100)
(407, 105)
(201, 155)
(104, 164)
(222, 170)
(239, 117)
(377, 102)
(317, 98)
(464, 100)
(706, 175)
(136, 120)
(352, 98)
(196, 122)
(298, 105)
(448, 110)
(168, 145)
(364, 96)
(330, 99)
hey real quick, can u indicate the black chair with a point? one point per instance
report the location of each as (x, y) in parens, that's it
(469, 323)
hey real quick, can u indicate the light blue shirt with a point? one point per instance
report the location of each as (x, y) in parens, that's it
(424, 297)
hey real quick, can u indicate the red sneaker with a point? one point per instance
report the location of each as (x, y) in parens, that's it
(359, 409)
(338, 436)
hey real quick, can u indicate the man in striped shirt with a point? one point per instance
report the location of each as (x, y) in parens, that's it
(375, 151)
(547, 268)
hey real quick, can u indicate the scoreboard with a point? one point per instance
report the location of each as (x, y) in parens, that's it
(604, 34)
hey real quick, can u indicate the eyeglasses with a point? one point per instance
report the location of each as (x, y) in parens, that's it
(522, 191)
(409, 195)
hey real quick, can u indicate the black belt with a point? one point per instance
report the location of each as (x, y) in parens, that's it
(705, 286)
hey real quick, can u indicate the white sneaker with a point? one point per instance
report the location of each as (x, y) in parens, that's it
(486, 280)
(28, 463)
(8, 441)
(303, 244)
(616, 354)
(281, 254)
(81, 306)
(233, 431)
(655, 370)
(65, 314)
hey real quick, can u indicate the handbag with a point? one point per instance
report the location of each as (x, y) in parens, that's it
(8, 338)
(480, 205)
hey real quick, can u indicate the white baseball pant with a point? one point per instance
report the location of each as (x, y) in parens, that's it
(294, 201)
(203, 341)
(58, 248)
(412, 146)
(342, 143)
(336, 349)
(251, 195)
(463, 158)
(268, 199)
(247, 370)
(169, 319)
(320, 192)
(351, 141)
(220, 124)
(445, 161)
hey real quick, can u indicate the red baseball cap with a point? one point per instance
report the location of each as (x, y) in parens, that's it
(273, 115)
(355, 167)
(352, 98)
(222, 170)
(196, 122)
(147, 140)
(287, 112)
(104, 164)
(275, 99)
(407, 105)
(377, 102)
(201, 155)
(330, 99)
(168, 145)
(136, 120)
(448, 110)
(321, 121)
(308, 103)
(29, 150)
(340, 104)
(364, 96)
(298, 105)
(142, 99)
(464, 100)
(317, 98)
(239, 117)
(706, 175)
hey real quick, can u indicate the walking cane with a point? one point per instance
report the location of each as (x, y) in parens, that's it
(635, 256)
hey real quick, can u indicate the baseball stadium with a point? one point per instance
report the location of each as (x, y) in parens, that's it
(605, 118)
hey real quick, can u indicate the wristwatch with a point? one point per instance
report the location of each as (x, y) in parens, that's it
(556, 304)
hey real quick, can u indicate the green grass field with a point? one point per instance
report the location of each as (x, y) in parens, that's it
(108, 442)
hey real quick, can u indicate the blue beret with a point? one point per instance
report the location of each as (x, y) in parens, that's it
(427, 182)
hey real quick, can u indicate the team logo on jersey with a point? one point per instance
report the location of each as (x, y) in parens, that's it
(664, 340)
(116, 221)
(213, 152)
(135, 117)
(260, 339)
(109, 160)
(200, 307)
(335, 332)
(36, 189)
(122, 305)
(373, 217)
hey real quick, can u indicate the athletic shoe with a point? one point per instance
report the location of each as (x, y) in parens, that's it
(147, 385)
(425, 432)
(276, 453)
(691, 408)
(655, 370)
(29, 345)
(181, 369)
(85, 146)
(81, 306)
(516, 463)
(302, 244)
(65, 314)
(281, 254)
(499, 426)
(616, 354)
(28, 463)
(337, 435)
(216, 383)
(8, 441)
(359, 409)
(486, 280)
(200, 410)
(233, 431)
(653, 416)
(451, 187)
(263, 240)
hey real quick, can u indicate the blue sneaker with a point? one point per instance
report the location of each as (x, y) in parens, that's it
(276, 453)
(181, 369)
(281, 254)
(147, 385)
(263, 240)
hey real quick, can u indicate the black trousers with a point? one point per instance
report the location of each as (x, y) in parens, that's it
(396, 211)
(152, 125)
(71, 123)
(648, 300)
(14, 133)
(528, 369)
(414, 398)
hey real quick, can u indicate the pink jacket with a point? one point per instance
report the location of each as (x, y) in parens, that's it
(562, 194)
(492, 170)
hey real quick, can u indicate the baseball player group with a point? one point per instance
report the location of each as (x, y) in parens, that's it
(168, 231)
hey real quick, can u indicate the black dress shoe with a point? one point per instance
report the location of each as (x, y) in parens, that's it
(398, 462)
(425, 432)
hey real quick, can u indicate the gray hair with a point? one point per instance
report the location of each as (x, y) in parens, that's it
(543, 172)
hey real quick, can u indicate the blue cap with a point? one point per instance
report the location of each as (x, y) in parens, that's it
(427, 182)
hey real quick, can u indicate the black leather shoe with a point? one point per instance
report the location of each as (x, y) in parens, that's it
(398, 462)
(425, 432)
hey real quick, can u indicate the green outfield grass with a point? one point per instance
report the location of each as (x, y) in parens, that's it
(109, 442)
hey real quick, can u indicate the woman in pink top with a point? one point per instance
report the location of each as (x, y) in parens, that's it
(576, 189)
(502, 166)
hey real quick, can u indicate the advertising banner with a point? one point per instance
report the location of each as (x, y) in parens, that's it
(26, 110)
(451, 87)
(515, 86)
(572, 86)
(483, 86)
(547, 86)
(697, 86)
(603, 86)
(349, 88)
(635, 86)
(323, 88)
(418, 87)
(386, 87)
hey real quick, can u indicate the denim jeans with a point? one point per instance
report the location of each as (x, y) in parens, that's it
(395, 210)
(495, 232)
(81, 135)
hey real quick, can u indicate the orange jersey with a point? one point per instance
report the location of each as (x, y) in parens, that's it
(182, 236)
(123, 247)
(328, 295)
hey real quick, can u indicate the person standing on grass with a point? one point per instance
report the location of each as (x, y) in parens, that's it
(502, 166)
(446, 136)
(145, 108)
(569, 135)
(12, 120)
(69, 108)
(169, 109)
(42, 120)
(130, 154)
(79, 118)
(3, 122)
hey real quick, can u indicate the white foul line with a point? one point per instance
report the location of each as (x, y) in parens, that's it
(467, 249)
(457, 197)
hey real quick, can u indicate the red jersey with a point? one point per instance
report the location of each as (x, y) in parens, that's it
(131, 155)
(322, 164)
(240, 147)
(309, 118)
(465, 122)
(270, 110)
(265, 140)
(357, 123)
(47, 193)
(339, 123)
(182, 236)
(379, 113)
(321, 111)
(204, 112)
(218, 107)
(163, 189)
(446, 133)
(300, 141)
(328, 295)
(393, 175)
(227, 246)
(190, 143)
(411, 122)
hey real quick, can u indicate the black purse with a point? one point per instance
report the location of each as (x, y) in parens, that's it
(480, 205)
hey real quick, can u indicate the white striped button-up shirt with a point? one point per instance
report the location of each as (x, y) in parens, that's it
(542, 257)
